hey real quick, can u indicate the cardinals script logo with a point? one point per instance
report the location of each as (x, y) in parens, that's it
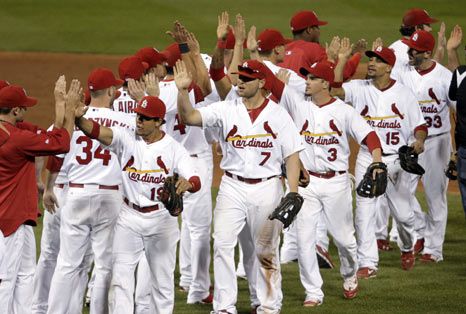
(324, 138)
(156, 176)
(254, 140)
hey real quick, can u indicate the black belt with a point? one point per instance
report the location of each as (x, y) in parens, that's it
(247, 180)
(325, 175)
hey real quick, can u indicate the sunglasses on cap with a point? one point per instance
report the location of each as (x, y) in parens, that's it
(246, 79)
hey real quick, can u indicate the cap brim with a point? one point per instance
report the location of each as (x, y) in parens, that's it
(30, 102)
(304, 71)
(370, 54)
(412, 45)
(321, 23)
(118, 82)
(243, 73)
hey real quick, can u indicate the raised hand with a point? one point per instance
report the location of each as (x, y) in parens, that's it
(136, 89)
(178, 33)
(251, 42)
(60, 90)
(346, 49)
(456, 36)
(283, 75)
(193, 43)
(376, 43)
(239, 30)
(333, 48)
(441, 39)
(152, 84)
(74, 95)
(223, 25)
(360, 46)
(182, 77)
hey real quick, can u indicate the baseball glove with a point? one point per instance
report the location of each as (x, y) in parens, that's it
(451, 172)
(408, 160)
(289, 207)
(173, 202)
(370, 187)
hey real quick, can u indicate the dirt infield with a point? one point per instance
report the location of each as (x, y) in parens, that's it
(37, 73)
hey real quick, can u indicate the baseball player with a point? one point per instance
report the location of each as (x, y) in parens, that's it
(430, 82)
(148, 157)
(392, 110)
(93, 202)
(21, 142)
(326, 123)
(257, 136)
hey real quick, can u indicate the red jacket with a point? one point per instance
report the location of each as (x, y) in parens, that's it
(18, 189)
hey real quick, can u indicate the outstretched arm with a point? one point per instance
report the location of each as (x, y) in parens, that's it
(343, 56)
(188, 114)
(91, 128)
(293, 167)
(240, 36)
(453, 43)
(217, 67)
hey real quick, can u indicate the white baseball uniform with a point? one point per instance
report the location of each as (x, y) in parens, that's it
(296, 82)
(431, 90)
(402, 59)
(394, 115)
(125, 103)
(92, 205)
(253, 150)
(325, 131)
(144, 226)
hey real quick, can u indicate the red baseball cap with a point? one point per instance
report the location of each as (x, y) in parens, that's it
(257, 70)
(421, 41)
(3, 84)
(321, 70)
(172, 54)
(304, 19)
(231, 40)
(387, 55)
(132, 68)
(15, 96)
(152, 107)
(417, 16)
(151, 56)
(270, 38)
(102, 78)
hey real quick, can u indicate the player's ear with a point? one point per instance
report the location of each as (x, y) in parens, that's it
(261, 83)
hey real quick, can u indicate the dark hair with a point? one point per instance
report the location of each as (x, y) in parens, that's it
(296, 33)
(407, 30)
(265, 53)
(5, 110)
(98, 93)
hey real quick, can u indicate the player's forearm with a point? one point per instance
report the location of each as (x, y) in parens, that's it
(453, 59)
(95, 131)
(50, 178)
(68, 122)
(420, 134)
(185, 109)
(203, 79)
(59, 114)
(377, 155)
(439, 54)
(336, 89)
(292, 171)
(235, 61)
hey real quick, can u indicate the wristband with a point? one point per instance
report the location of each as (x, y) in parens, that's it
(95, 132)
(336, 84)
(216, 74)
(183, 47)
(221, 44)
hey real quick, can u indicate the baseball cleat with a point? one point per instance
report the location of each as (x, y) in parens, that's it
(312, 303)
(366, 273)
(254, 309)
(383, 245)
(419, 246)
(407, 260)
(429, 258)
(183, 289)
(323, 258)
(351, 287)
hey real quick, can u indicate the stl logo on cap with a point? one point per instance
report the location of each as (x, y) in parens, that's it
(144, 103)
(245, 65)
(415, 36)
(378, 49)
(314, 65)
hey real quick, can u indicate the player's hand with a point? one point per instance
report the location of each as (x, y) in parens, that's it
(178, 33)
(136, 89)
(418, 147)
(74, 95)
(346, 49)
(283, 75)
(182, 185)
(60, 90)
(223, 25)
(193, 44)
(251, 41)
(376, 43)
(441, 39)
(239, 30)
(80, 111)
(360, 46)
(332, 49)
(456, 36)
(49, 201)
(182, 77)
(152, 84)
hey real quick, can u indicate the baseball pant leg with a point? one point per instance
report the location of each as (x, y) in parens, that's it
(128, 246)
(160, 250)
(368, 255)
(262, 200)
(142, 296)
(338, 213)
(289, 248)
(184, 254)
(322, 237)
(419, 215)
(240, 272)
(248, 253)
(382, 215)
(306, 224)
(434, 159)
(229, 219)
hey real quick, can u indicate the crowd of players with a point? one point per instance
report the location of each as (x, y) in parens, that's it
(282, 112)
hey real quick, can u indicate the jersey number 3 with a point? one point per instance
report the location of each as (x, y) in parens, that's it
(99, 153)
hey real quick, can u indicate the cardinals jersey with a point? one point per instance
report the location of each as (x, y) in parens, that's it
(145, 166)
(431, 90)
(392, 112)
(301, 53)
(88, 162)
(125, 103)
(192, 138)
(296, 82)
(402, 58)
(61, 176)
(252, 148)
(325, 131)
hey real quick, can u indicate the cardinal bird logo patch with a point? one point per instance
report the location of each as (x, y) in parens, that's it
(129, 163)
(365, 111)
(269, 130)
(231, 133)
(334, 127)
(161, 164)
(433, 96)
(304, 128)
(397, 112)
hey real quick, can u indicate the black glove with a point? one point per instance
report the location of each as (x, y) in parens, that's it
(173, 202)
(370, 187)
(408, 160)
(451, 172)
(289, 207)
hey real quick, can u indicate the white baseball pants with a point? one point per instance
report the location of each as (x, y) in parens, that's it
(239, 203)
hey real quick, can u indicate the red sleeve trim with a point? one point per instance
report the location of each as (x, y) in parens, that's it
(372, 141)
(277, 87)
(54, 164)
(95, 132)
(198, 95)
(351, 66)
(216, 74)
(421, 127)
(196, 182)
(336, 84)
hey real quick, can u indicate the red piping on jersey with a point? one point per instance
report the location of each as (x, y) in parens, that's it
(168, 80)
(392, 82)
(254, 113)
(332, 100)
(196, 182)
(372, 141)
(424, 72)
(95, 130)
(54, 164)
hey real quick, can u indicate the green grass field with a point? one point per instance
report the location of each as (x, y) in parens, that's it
(429, 288)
